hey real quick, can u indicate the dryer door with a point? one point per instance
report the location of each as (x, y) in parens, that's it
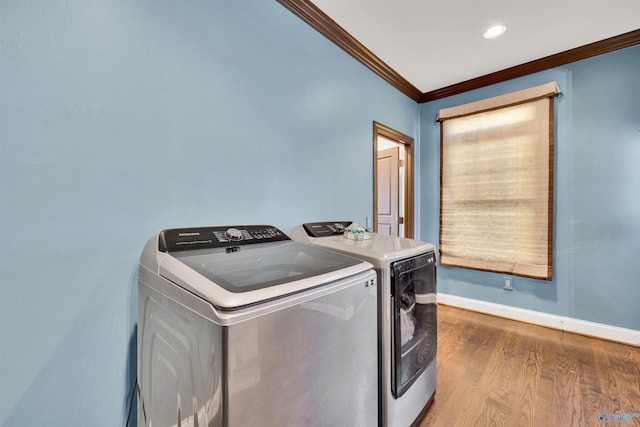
(414, 323)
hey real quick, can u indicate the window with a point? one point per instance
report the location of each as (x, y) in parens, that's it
(496, 183)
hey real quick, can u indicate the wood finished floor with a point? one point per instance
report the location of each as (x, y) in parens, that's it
(497, 372)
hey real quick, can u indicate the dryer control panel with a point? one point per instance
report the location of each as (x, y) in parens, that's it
(324, 229)
(187, 239)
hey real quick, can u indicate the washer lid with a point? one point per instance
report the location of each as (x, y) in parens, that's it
(263, 266)
(256, 273)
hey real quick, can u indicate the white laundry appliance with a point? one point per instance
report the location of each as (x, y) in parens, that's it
(241, 326)
(407, 314)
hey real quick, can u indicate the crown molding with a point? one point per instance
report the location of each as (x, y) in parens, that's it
(316, 18)
(563, 58)
(312, 15)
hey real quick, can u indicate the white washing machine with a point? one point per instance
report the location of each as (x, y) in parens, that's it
(407, 315)
(241, 326)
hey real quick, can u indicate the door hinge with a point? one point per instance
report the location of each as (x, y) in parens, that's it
(401, 220)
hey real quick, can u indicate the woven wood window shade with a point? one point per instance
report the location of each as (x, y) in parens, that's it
(496, 183)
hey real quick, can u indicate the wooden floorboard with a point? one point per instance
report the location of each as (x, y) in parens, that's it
(498, 372)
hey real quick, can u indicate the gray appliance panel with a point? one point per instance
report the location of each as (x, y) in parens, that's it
(313, 363)
(179, 364)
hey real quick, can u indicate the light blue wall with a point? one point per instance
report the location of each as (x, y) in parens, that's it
(597, 195)
(120, 118)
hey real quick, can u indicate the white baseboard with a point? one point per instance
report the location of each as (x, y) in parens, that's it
(568, 324)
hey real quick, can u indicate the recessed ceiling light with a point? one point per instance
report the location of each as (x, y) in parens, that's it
(495, 31)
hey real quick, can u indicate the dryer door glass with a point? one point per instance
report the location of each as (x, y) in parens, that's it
(414, 324)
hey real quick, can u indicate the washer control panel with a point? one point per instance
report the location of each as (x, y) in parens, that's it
(187, 239)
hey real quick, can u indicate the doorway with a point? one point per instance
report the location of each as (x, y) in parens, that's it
(392, 182)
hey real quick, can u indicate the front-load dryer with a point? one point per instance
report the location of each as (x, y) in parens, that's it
(407, 314)
(241, 326)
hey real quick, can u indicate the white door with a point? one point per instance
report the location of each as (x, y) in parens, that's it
(388, 164)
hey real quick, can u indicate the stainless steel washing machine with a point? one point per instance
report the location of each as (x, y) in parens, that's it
(407, 314)
(241, 326)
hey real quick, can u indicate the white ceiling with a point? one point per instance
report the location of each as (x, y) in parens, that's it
(437, 43)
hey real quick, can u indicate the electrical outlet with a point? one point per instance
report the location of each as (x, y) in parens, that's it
(508, 285)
